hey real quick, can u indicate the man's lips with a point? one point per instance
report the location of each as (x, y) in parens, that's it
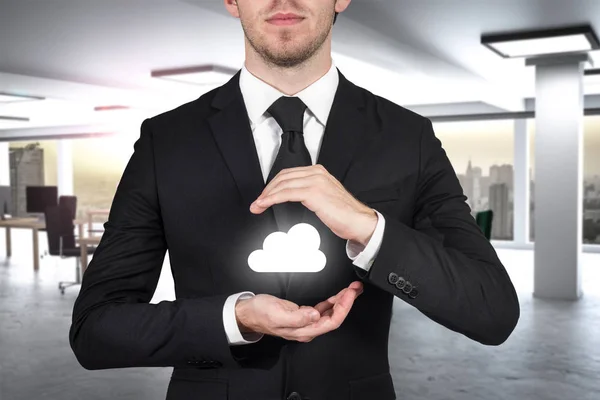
(285, 19)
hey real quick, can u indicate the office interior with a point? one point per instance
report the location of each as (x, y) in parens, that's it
(512, 89)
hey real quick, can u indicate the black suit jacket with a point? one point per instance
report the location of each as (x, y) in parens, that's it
(187, 189)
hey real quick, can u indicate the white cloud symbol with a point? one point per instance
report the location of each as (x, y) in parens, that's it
(295, 251)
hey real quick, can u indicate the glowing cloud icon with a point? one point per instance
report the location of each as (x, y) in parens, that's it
(294, 251)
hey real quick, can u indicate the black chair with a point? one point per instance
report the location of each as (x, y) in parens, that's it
(61, 240)
(69, 202)
(484, 220)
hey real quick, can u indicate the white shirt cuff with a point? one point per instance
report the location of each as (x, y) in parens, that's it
(232, 330)
(364, 256)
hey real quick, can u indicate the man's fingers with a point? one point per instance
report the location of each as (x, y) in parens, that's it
(331, 319)
(325, 305)
(291, 180)
(282, 196)
(328, 304)
(305, 182)
(288, 174)
(319, 328)
(297, 318)
(342, 307)
(347, 299)
(298, 325)
(295, 172)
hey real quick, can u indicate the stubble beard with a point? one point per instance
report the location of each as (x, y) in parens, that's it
(285, 53)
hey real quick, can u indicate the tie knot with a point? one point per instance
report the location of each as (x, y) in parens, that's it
(289, 113)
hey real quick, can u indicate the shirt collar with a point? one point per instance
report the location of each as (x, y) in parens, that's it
(318, 97)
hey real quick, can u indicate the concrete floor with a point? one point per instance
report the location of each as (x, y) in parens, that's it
(554, 352)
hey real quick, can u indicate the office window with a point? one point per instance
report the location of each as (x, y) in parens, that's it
(591, 179)
(98, 164)
(482, 154)
(531, 135)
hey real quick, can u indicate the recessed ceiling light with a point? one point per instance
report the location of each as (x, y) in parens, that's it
(16, 98)
(542, 42)
(197, 75)
(9, 118)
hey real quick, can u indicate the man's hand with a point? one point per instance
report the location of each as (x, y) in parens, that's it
(270, 315)
(323, 194)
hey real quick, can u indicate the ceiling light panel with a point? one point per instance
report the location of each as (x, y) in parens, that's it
(537, 47)
(542, 42)
(16, 98)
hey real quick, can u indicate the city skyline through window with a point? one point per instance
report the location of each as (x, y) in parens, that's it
(482, 154)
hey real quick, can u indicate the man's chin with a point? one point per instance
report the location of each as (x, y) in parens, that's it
(287, 59)
(288, 63)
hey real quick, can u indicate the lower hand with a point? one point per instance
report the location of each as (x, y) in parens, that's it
(270, 315)
(323, 194)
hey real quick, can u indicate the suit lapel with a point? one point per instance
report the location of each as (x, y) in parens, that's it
(233, 135)
(345, 130)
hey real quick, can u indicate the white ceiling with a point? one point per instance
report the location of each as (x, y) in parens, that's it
(82, 53)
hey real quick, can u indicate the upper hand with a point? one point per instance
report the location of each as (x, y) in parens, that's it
(323, 194)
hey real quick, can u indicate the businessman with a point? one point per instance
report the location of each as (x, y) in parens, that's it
(288, 139)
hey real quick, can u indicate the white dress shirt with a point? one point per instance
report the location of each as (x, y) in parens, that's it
(318, 97)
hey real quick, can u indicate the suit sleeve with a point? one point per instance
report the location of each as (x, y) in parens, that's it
(113, 323)
(443, 265)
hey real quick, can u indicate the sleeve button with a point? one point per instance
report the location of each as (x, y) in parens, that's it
(393, 278)
(400, 284)
(413, 293)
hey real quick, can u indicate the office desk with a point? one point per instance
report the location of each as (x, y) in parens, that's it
(24, 223)
(90, 215)
(35, 225)
(84, 242)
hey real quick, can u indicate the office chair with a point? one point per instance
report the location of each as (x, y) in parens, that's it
(484, 220)
(69, 202)
(61, 240)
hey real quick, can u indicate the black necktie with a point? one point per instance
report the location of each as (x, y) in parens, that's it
(289, 114)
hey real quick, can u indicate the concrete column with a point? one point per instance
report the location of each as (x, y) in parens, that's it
(558, 176)
(64, 158)
(521, 183)
(4, 164)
